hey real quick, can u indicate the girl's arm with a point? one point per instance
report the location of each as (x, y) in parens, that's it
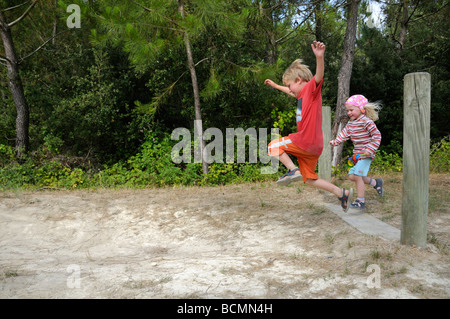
(375, 140)
(341, 138)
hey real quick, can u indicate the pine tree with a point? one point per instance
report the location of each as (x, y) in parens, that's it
(12, 61)
(151, 27)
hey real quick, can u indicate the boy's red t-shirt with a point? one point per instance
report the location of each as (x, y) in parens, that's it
(309, 136)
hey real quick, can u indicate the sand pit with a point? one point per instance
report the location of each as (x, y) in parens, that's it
(239, 241)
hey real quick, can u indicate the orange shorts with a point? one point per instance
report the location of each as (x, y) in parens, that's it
(307, 162)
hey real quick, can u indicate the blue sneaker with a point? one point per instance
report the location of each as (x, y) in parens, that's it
(289, 177)
(358, 205)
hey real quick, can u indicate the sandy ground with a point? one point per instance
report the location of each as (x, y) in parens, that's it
(239, 241)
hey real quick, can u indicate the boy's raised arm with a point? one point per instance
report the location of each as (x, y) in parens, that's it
(319, 51)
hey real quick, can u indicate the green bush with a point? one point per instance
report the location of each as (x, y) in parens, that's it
(15, 176)
(393, 162)
(440, 156)
(152, 166)
(386, 163)
(6, 154)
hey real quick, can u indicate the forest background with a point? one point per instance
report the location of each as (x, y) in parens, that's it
(104, 97)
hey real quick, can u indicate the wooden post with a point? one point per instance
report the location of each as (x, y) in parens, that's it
(416, 158)
(325, 158)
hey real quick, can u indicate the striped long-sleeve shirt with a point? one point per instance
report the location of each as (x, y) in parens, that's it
(364, 134)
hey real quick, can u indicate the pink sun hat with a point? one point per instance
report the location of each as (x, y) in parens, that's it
(358, 100)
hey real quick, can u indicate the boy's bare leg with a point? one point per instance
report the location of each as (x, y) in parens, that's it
(327, 186)
(286, 160)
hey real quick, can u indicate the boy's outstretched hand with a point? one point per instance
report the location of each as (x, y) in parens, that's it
(269, 82)
(318, 48)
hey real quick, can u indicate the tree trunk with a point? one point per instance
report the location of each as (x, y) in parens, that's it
(403, 26)
(15, 85)
(191, 65)
(271, 36)
(271, 48)
(345, 73)
(55, 22)
(318, 20)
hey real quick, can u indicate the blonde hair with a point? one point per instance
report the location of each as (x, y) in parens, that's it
(297, 69)
(372, 109)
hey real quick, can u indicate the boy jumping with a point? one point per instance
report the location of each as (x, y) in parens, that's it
(307, 143)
